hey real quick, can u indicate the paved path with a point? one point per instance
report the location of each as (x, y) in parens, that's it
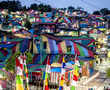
(96, 82)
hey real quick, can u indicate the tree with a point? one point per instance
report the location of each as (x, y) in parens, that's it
(108, 73)
(34, 6)
(96, 12)
(10, 64)
(11, 5)
(44, 8)
(28, 24)
(71, 8)
(24, 8)
(16, 6)
(40, 7)
(4, 5)
(104, 11)
(48, 8)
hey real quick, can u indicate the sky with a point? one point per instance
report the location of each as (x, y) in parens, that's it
(88, 5)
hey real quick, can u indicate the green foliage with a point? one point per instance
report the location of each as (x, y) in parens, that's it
(10, 63)
(108, 73)
(10, 5)
(29, 58)
(28, 24)
(96, 13)
(41, 7)
(34, 6)
(24, 8)
(71, 8)
(104, 11)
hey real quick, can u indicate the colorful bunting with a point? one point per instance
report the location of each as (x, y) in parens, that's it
(47, 71)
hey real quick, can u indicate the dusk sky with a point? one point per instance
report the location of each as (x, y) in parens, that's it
(89, 5)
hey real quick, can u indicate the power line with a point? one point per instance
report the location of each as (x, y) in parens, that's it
(39, 1)
(92, 5)
(42, 1)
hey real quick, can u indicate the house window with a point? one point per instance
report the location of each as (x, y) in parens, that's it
(45, 45)
(68, 48)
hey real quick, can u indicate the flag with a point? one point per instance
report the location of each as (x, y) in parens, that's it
(19, 83)
(62, 75)
(26, 72)
(77, 60)
(47, 71)
(61, 82)
(72, 88)
(48, 68)
(46, 82)
(19, 73)
(75, 78)
(60, 88)
(63, 65)
(66, 76)
(75, 73)
(76, 69)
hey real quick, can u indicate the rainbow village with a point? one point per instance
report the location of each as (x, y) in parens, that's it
(57, 50)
